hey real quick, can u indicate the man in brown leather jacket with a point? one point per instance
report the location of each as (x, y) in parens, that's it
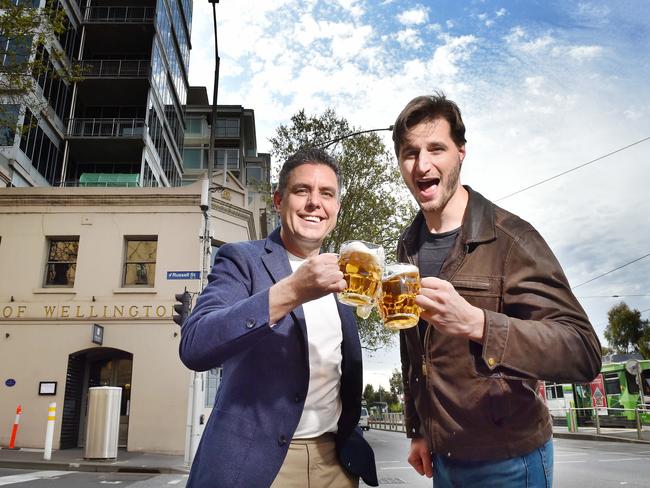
(498, 315)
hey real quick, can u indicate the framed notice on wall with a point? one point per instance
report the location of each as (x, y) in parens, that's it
(47, 388)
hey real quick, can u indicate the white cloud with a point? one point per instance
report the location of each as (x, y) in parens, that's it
(409, 38)
(418, 15)
(584, 53)
(501, 12)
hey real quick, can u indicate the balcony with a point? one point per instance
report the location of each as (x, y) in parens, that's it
(122, 128)
(119, 15)
(115, 68)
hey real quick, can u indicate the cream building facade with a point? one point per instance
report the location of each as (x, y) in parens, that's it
(72, 259)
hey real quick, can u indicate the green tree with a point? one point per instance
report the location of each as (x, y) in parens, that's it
(625, 331)
(375, 205)
(396, 384)
(24, 31)
(369, 394)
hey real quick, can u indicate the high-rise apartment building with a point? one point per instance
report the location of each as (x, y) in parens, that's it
(122, 125)
(235, 151)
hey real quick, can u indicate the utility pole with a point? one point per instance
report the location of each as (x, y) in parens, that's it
(196, 390)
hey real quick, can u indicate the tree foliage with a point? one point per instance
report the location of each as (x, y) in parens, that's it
(396, 384)
(626, 332)
(24, 31)
(375, 206)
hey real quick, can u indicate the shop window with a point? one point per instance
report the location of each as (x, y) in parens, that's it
(140, 261)
(61, 261)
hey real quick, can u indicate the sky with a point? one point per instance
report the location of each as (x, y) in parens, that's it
(545, 86)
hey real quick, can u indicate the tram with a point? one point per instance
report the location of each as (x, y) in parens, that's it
(616, 392)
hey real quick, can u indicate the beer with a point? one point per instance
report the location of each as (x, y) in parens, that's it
(361, 264)
(399, 286)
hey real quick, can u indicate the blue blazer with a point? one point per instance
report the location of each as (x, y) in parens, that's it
(265, 373)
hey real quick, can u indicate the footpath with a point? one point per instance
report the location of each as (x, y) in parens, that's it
(143, 462)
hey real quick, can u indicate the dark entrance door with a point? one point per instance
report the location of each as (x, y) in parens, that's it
(94, 367)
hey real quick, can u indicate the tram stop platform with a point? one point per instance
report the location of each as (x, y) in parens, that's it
(613, 434)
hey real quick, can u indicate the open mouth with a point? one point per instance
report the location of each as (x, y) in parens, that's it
(424, 185)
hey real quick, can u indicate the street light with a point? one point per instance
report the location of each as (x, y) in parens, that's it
(325, 144)
(215, 92)
(195, 394)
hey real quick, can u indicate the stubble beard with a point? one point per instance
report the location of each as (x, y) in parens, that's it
(448, 186)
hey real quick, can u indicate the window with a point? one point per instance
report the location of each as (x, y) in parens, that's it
(612, 384)
(61, 261)
(227, 157)
(193, 158)
(227, 127)
(213, 378)
(253, 175)
(193, 126)
(140, 261)
(8, 122)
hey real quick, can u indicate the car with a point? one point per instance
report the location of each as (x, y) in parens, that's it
(364, 419)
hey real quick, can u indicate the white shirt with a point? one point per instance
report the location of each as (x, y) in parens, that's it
(324, 336)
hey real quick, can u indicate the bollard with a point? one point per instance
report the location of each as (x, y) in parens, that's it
(49, 433)
(14, 429)
(597, 420)
(638, 423)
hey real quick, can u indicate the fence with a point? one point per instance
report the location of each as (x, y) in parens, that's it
(388, 421)
(395, 421)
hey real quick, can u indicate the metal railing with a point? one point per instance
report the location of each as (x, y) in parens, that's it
(573, 418)
(114, 68)
(119, 15)
(395, 421)
(387, 421)
(133, 128)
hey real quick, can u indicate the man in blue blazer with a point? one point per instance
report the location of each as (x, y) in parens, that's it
(286, 412)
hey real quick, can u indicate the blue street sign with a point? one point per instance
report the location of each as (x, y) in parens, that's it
(183, 275)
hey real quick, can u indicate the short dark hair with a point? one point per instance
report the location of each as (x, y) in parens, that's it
(426, 109)
(309, 155)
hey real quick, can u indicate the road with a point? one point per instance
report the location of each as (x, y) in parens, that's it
(578, 463)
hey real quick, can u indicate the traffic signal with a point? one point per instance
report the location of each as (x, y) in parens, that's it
(182, 308)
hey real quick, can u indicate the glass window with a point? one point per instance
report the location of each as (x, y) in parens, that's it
(193, 158)
(193, 126)
(612, 384)
(8, 122)
(253, 175)
(228, 158)
(227, 127)
(140, 262)
(213, 378)
(61, 262)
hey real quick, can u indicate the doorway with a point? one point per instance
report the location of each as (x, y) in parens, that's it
(101, 366)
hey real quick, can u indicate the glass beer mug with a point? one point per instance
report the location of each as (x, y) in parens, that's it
(399, 287)
(362, 265)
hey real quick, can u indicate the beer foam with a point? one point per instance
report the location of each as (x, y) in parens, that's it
(358, 246)
(398, 269)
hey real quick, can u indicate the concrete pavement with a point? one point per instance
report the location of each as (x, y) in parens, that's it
(73, 460)
(143, 462)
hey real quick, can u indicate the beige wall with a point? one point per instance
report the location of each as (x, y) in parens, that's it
(40, 326)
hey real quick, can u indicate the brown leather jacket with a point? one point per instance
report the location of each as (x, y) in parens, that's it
(480, 402)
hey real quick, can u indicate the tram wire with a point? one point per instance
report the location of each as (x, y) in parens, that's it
(599, 158)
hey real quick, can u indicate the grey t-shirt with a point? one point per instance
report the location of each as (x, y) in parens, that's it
(433, 250)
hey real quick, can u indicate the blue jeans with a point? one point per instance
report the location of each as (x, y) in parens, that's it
(533, 470)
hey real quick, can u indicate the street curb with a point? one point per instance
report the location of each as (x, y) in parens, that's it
(595, 437)
(90, 467)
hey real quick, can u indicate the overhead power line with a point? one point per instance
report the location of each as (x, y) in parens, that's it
(610, 271)
(620, 295)
(574, 169)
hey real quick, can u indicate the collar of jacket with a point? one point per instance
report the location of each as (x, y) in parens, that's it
(477, 226)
